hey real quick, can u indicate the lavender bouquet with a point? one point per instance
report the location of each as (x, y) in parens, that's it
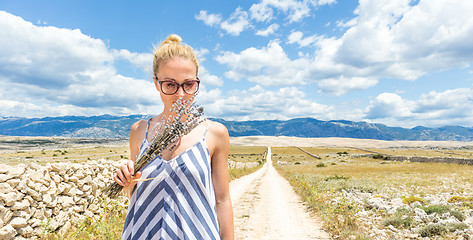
(186, 115)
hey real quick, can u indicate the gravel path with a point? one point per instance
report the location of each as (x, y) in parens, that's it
(266, 207)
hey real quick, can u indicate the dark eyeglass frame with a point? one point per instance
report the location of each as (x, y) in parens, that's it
(179, 85)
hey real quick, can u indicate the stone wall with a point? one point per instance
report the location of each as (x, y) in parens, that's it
(463, 161)
(35, 199)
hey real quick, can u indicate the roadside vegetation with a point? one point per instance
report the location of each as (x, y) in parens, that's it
(373, 198)
(110, 223)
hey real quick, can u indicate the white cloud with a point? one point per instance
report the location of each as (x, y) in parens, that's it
(209, 19)
(48, 70)
(267, 66)
(295, 10)
(393, 39)
(237, 22)
(270, 30)
(258, 104)
(261, 12)
(341, 85)
(298, 37)
(451, 107)
(143, 61)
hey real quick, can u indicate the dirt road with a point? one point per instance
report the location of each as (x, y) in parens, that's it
(266, 207)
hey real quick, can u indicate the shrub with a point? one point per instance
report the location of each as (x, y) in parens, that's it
(336, 177)
(456, 199)
(321, 165)
(452, 227)
(297, 163)
(458, 215)
(413, 199)
(381, 156)
(398, 221)
(436, 209)
(432, 230)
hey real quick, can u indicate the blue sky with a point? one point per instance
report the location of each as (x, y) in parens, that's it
(400, 63)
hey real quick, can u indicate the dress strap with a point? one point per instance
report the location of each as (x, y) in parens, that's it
(147, 129)
(208, 126)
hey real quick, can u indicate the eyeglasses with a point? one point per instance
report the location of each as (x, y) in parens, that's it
(170, 87)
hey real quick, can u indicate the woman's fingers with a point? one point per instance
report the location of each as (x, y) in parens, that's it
(129, 187)
(124, 175)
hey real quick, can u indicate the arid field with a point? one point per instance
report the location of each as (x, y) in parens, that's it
(353, 188)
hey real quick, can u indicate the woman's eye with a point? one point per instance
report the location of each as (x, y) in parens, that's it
(170, 85)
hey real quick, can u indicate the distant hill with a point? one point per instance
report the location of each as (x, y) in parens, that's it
(107, 126)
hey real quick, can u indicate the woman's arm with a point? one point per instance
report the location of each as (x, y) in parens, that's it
(123, 176)
(219, 162)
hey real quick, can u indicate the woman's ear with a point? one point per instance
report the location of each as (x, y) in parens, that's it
(156, 84)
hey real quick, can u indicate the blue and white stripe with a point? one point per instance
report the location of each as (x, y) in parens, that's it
(180, 204)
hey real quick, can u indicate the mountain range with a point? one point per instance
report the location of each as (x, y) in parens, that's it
(107, 126)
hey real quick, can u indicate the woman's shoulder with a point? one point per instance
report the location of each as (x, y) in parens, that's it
(138, 126)
(218, 129)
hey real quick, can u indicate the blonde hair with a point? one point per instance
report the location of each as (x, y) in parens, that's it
(170, 48)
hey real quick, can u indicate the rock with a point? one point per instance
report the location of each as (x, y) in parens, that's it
(39, 214)
(377, 203)
(64, 187)
(392, 228)
(72, 179)
(80, 174)
(26, 231)
(420, 212)
(33, 222)
(65, 201)
(40, 176)
(73, 191)
(60, 168)
(415, 205)
(58, 221)
(86, 188)
(21, 186)
(4, 177)
(93, 208)
(65, 228)
(16, 171)
(21, 214)
(50, 200)
(56, 179)
(4, 168)
(10, 198)
(20, 205)
(7, 232)
(18, 222)
(52, 190)
(13, 182)
(469, 220)
(34, 185)
(5, 187)
(35, 195)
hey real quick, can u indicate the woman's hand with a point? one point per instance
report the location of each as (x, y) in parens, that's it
(124, 177)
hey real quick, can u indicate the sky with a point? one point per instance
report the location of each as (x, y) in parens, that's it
(397, 62)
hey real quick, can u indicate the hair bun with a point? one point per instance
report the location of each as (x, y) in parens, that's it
(173, 38)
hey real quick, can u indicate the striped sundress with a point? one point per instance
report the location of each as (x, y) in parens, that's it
(180, 203)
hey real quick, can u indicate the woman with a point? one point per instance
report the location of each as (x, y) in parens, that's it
(191, 200)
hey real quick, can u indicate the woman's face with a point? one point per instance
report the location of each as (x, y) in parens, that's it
(175, 69)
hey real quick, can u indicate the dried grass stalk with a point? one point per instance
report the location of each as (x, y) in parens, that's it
(186, 115)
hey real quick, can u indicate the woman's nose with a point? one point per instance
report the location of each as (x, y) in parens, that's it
(180, 91)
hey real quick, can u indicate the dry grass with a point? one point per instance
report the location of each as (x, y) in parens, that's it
(319, 181)
(80, 154)
(109, 224)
